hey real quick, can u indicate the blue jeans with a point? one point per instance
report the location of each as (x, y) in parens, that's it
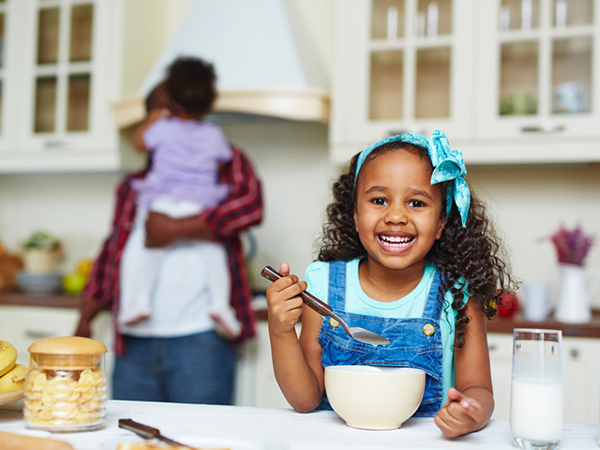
(192, 369)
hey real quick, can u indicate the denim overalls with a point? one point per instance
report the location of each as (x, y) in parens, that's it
(415, 342)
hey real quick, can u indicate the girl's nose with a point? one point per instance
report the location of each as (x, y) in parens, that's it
(396, 214)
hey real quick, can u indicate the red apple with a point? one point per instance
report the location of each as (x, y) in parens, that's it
(509, 307)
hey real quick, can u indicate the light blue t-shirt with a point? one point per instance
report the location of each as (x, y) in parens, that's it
(409, 306)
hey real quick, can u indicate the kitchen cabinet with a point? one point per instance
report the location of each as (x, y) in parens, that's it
(59, 75)
(24, 325)
(509, 81)
(401, 65)
(581, 376)
(264, 387)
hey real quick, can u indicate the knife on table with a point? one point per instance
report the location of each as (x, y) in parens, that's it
(148, 432)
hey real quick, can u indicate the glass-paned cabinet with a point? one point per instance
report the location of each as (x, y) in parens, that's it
(403, 65)
(3, 18)
(539, 69)
(59, 59)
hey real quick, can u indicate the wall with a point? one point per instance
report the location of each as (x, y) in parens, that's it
(528, 202)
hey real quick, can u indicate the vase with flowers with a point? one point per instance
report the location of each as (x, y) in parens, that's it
(578, 283)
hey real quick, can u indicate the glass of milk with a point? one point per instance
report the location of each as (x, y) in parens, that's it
(536, 401)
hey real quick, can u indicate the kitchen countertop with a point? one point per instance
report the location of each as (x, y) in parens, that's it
(587, 330)
(16, 298)
(248, 428)
(499, 325)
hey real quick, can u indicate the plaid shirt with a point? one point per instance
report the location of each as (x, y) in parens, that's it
(240, 210)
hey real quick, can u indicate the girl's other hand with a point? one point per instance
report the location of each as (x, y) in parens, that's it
(284, 303)
(460, 415)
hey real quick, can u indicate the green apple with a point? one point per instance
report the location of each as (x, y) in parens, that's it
(74, 282)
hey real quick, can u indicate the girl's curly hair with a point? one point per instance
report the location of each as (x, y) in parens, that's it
(471, 254)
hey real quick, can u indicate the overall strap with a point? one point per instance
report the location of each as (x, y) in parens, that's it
(337, 285)
(432, 307)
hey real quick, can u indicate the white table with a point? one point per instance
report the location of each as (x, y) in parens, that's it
(247, 428)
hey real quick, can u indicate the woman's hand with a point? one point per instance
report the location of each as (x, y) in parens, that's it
(460, 415)
(284, 303)
(162, 230)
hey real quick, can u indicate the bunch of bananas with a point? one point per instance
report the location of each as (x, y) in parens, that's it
(12, 375)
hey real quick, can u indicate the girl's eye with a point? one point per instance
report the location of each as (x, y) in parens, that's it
(416, 203)
(379, 201)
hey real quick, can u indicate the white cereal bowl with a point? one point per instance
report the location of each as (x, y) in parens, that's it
(374, 398)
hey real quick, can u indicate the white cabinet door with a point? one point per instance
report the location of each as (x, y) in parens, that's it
(500, 348)
(581, 373)
(267, 392)
(61, 79)
(24, 325)
(581, 377)
(538, 70)
(402, 65)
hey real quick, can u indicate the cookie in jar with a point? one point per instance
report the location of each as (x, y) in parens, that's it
(66, 387)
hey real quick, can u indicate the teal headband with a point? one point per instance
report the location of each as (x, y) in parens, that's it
(448, 165)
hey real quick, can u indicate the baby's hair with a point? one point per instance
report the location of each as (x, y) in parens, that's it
(190, 84)
(473, 252)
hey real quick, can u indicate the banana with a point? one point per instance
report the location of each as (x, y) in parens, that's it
(14, 380)
(8, 357)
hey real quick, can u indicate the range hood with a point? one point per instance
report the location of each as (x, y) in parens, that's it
(265, 68)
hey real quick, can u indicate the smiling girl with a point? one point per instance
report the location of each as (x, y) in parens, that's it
(409, 254)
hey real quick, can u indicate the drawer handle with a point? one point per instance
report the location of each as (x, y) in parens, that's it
(492, 347)
(55, 144)
(31, 334)
(417, 130)
(574, 353)
(547, 128)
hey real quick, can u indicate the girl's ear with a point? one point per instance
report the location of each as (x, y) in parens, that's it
(355, 219)
(440, 227)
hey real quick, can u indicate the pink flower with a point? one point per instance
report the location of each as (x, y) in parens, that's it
(572, 246)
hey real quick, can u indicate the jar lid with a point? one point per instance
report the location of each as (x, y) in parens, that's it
(68, 345)
(71, 352)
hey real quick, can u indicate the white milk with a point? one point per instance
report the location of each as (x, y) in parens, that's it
(536, 411)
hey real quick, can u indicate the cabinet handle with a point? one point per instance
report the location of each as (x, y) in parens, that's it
(546, 128)
(574, 353)
(421, 131)
(492, 347)
(32, 334)
(55, 144)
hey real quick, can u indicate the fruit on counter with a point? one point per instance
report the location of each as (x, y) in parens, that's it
(12, 441)
(84, 266)
(8, 357)
(509, 306)
(74, 282)
(14, 379)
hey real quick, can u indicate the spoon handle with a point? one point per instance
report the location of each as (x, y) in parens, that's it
(322, 308)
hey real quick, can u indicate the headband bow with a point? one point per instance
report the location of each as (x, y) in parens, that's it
(448, 165)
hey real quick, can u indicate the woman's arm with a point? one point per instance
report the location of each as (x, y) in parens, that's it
(471, 403)
(138, 135)
(296, 362)
(243, 207)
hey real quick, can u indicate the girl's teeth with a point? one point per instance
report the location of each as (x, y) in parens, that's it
(395, 241)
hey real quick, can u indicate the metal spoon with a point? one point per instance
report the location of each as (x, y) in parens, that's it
(357, 333)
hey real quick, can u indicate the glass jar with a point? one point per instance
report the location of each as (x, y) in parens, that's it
(65, 389)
